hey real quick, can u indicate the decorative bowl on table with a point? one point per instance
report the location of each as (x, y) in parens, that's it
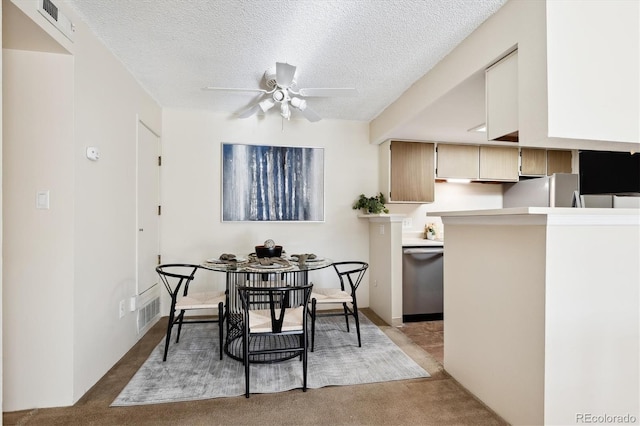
(262, 251)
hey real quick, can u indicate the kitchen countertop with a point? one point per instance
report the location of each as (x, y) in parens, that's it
(421, 242)
(568, 211)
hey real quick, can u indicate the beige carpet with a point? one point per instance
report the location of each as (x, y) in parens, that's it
(438, 400)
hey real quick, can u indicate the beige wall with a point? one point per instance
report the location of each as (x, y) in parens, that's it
(577, 87)
(516, 23)
(1, 212)
(192, 229)
(108, 104)
(487, 266)
(543, 310)
(67, 268)
(38, 244)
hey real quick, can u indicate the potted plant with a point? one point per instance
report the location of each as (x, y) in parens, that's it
(371, 205)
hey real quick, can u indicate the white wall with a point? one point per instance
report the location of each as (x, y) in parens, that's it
(592, 321)
(191, 190)
(450, 197)
(594, 69)
(67, 268)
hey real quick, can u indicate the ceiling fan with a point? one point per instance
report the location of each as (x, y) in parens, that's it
(281, 81)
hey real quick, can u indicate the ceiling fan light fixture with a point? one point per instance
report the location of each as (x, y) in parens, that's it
(301, 104)
(285, 112)
(279, 96)
(282, 84)
(266, 105)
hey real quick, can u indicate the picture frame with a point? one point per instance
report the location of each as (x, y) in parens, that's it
(272, 183)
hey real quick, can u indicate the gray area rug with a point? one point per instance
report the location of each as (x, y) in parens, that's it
(193, 370)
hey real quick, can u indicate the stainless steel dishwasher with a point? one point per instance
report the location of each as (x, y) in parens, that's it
(422, 283)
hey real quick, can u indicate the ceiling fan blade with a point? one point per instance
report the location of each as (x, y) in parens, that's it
(233, 89)
(310, 115)
(329, 92)
(284, 74)
(250, 111)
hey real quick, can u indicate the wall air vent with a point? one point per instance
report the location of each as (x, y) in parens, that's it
(147, 314)
(50, 11)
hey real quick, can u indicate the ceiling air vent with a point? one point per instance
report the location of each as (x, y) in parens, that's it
(50, 11)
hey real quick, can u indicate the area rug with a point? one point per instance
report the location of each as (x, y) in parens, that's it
(193, 370)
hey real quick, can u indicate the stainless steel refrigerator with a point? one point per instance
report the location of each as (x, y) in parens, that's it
(550, 191)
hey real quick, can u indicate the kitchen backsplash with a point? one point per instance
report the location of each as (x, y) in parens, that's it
(448, 197)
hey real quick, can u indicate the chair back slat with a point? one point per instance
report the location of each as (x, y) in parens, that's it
(178, 274)
(275, 299)
(353, 271)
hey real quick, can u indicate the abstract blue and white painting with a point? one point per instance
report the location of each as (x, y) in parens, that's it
(272, 183)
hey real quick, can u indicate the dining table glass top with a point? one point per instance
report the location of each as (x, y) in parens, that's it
(251, 263)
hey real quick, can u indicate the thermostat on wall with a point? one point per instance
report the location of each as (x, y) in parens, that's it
(92, 153)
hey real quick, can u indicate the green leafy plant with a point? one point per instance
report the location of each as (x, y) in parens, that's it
(371, 205)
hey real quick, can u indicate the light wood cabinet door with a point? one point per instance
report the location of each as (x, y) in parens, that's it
(533, 162)
(558, 161)
(501, 91)
(458, 161)
(412, 172)
(498, 163)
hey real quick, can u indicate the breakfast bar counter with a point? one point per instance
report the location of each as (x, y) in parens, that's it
(541, 309)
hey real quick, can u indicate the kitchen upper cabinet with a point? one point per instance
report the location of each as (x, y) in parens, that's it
(501, 85)
(533, 162)
(458, 162)
(558, 161)
(542, 162)
(411, 174)
(498, 163)
(489, 163)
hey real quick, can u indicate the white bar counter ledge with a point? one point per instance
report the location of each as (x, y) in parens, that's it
(541, 310)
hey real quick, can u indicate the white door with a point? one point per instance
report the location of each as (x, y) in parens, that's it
(148, 194)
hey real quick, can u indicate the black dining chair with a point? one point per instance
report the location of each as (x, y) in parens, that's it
(177, 279)
(274, 326)
(350, 274)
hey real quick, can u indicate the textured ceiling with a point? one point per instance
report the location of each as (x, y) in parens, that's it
(380, 47)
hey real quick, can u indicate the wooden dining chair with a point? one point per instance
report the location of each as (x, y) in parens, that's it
(350, 274)
(274, 326)
(177, 279)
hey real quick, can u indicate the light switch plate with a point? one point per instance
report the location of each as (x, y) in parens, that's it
(42, 200)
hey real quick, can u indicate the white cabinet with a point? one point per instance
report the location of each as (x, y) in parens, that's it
(501, 81)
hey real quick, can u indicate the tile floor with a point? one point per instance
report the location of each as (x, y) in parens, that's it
(429, 335)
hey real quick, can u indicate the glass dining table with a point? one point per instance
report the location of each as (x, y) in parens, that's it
(249, 271)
